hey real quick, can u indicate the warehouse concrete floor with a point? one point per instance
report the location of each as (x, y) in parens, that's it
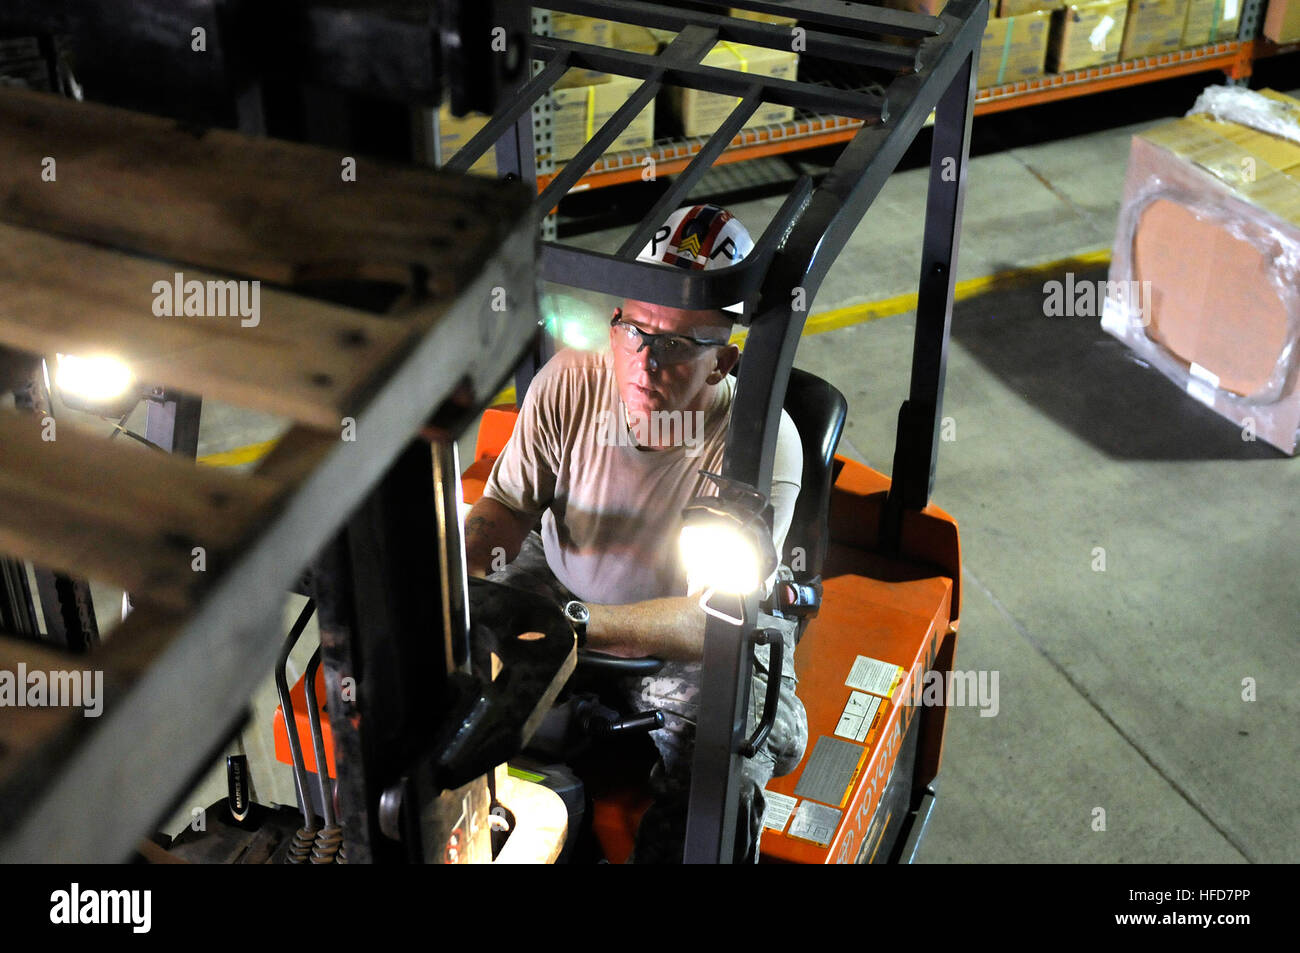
(1122, 732)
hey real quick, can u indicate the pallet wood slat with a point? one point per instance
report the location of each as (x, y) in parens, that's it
(238, 205)
(28, 732)
(294, 456)
(33, 739)
(302, 359)
(135, 200)
(121, 513)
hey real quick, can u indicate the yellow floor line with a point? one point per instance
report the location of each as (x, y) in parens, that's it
(970, 288)
(238, 456)
(816, 324)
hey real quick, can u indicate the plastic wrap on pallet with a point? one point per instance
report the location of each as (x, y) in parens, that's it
(1217, 194)
(1246, 107)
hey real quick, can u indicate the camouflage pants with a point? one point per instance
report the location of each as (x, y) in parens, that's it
(674, 690)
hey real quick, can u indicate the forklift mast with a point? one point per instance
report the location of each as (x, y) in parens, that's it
(929, 68)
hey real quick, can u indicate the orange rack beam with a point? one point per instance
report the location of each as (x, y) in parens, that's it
(1226, 56)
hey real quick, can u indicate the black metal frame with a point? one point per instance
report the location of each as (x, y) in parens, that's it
(795, 251)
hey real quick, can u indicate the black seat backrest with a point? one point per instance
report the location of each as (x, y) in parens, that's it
(818, 411)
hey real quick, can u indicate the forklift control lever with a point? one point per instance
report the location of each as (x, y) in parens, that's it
(617, 665)
(487, 720)
(643, 721)
(773, 639)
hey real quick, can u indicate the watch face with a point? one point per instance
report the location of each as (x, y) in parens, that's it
(577, 612)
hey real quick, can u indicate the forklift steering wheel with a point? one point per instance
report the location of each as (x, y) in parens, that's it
(598, 663)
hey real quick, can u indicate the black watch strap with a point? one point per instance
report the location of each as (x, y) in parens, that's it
(578, 614)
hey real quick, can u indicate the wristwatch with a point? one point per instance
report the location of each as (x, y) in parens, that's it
(578, 614)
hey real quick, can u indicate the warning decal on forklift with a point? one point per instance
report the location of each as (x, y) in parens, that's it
(815, 822)
(873, 675)
(830, 771)
(778, 810)
(858, 717)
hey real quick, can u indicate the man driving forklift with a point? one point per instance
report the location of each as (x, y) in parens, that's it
(608, 449)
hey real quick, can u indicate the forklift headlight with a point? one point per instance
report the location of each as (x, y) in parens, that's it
(726, 545)
(94, 379)
(98, 384)
(720, 555)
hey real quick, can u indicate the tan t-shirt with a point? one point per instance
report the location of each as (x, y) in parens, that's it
(611, 512)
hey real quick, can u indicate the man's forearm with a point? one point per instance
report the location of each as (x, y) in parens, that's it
(666, 628)
(493, 535)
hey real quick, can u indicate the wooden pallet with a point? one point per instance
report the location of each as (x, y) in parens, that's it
(134, 200)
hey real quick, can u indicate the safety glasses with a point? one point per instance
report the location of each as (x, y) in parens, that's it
(664, 348)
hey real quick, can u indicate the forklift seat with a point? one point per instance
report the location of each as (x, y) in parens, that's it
(818, 411)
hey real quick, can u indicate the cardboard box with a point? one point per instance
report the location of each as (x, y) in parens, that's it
(663, 36)
(1282, 21)
(1210, 21)
(701, 113)
(1086, 34)
(635, 39)
(1153, 27)
(1211, 211)
(621, 36)
(1014, 48)
(582, 108)
(453, 133)
(580, 29)
(584, 99)
(764, 17)
(1015, 8)
(931, 8)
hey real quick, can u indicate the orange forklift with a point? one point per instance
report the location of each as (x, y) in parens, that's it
(873, 567)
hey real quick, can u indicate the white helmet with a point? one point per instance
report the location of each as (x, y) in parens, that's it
(700, 237)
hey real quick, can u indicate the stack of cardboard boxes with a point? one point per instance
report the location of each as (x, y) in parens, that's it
(1027, 38)
(1106, 31)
